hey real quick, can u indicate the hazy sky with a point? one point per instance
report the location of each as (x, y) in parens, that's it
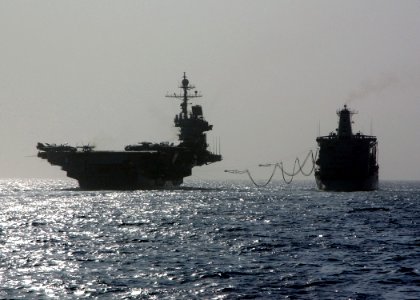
(270, 71)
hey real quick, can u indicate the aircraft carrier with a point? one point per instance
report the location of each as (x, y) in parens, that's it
(347, 161)
(144, 165)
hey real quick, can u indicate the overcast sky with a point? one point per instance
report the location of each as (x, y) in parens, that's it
(271, 72)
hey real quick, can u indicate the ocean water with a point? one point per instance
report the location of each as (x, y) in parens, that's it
(209, 240)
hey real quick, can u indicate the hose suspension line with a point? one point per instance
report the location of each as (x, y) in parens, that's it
(297, 168)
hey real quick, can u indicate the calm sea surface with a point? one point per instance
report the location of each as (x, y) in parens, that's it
(210, 240)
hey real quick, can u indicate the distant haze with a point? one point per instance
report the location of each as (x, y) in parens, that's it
(271, 73)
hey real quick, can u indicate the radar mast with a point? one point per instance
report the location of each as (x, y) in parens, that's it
(185, 95)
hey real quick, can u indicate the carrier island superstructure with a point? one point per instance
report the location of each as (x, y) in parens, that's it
(144, 165)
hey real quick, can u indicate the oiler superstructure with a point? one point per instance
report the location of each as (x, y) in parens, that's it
(144, 165)
(347, 161)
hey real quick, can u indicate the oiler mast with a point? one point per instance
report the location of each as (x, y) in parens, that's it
(344, 122)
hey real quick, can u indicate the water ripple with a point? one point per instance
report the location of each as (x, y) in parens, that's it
(213, 240)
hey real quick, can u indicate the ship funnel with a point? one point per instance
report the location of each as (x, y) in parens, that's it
(344, 122)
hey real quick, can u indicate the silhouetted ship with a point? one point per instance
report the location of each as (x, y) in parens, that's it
(144, 165)
(347, 161)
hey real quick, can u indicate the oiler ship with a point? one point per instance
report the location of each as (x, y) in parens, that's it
(144, 165)
(347, 161)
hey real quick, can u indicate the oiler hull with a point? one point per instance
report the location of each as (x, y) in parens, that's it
(109, 170)
(347, 164)
(369, 183)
